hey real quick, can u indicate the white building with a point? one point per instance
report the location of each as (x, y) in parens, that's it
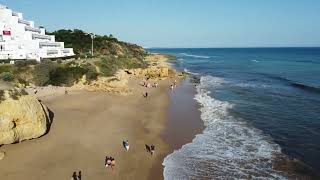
(20, 39)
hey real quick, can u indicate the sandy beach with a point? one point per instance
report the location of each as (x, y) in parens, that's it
(87, 126)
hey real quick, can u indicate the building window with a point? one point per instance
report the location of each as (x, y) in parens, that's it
(1, 38)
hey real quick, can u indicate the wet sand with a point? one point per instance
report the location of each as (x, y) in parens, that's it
(183, 120)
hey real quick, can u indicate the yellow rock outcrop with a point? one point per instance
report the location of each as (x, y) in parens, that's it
(151, 72)
(22, 118)
(116, 84)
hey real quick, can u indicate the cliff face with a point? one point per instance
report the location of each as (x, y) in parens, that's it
(22, 118)
(116, 84)
(151, 72)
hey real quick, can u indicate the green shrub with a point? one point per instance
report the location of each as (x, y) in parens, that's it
(66, 75)
(91, 74)
(107, 67)
(7, 76)
(41, 73)
(5, 68)
(24, 63)
(6, 61)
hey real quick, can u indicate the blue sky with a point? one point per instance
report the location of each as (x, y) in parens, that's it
(184, 23)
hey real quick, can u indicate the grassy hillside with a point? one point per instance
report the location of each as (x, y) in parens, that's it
(110, 55)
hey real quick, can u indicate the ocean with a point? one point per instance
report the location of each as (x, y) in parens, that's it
(261, 111)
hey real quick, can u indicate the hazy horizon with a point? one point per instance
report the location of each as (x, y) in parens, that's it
(172, 24)
(242, 47)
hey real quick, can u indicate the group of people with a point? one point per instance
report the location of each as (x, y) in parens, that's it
(149, 85)
(75, 176)
(150, 148)
(110, 161)
(173, 85)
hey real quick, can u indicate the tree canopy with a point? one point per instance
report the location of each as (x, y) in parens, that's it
(81, 41)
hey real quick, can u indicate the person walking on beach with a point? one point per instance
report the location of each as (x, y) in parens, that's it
(126, 145)
(146, 95)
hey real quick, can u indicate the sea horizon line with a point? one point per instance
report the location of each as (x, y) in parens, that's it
(258, 47)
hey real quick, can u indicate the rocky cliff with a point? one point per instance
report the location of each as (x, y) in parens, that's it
(22, 117)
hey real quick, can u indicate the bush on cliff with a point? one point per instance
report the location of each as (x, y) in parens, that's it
(7, 76)
(56, 74)
(66, 75)
(6, 68)
(109, 66)
(41, 73)
(24, 63)
(91, 73)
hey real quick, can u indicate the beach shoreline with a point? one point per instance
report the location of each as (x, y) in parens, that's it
(87, 126)
(183, 121)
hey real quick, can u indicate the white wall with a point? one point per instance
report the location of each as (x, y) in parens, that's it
(20, 44)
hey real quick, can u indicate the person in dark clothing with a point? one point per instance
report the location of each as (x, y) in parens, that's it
(74, 176)
(152, 148)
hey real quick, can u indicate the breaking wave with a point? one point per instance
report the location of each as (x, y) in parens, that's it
(228, 148)
(196, 56)
(189, 72)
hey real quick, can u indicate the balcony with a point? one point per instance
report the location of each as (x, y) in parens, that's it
(28, 28)
(22, 21)
(66, 51)
(40, 36)
(49, 44)
(52, 51)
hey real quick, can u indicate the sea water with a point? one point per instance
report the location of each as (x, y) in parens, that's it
(257, 104)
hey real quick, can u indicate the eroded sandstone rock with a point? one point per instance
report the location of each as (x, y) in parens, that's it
(21, 118)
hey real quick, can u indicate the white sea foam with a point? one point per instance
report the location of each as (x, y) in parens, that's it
(252, 85)
(228, 148)
(254, 60)
(189, 72)
(196, 56)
